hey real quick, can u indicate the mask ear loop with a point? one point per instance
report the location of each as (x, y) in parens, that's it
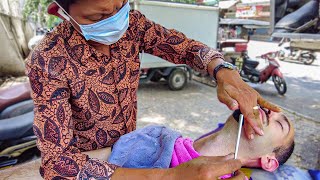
(61, 13)
(64, 14)
(67, 16)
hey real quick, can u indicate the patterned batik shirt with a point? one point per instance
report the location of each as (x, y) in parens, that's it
(85, 100)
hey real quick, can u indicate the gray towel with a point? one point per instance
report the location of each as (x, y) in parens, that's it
(149, 147)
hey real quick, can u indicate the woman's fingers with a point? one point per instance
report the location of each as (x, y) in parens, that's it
(248, 130)
(247, 100)
(224, 98)
(237, 94)
(206, 168)
(226, 167)
(252, 118)
(233, 97)
(264, 103)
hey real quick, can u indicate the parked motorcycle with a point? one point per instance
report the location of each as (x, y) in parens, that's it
(17, 140)
(249, 72)
(288, 53)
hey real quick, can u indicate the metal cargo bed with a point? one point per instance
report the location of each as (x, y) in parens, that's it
(196, 22)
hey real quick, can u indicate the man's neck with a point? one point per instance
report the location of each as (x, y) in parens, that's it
(217, 144)
(220, 143)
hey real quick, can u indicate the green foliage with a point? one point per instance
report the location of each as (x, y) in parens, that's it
(36, 10)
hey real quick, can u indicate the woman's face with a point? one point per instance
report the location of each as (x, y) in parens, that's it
(91, 11)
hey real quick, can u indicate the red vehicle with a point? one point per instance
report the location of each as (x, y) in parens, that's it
(249, 72)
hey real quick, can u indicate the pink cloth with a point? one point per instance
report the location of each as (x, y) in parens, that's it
(183, 151)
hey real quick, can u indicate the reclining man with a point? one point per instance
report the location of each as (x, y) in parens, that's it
(161, 147)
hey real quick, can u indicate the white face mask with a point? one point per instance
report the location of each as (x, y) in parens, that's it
(107, 31)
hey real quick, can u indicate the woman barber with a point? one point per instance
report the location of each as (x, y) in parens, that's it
(84, 77)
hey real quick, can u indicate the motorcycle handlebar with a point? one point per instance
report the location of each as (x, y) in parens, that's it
(268, 55)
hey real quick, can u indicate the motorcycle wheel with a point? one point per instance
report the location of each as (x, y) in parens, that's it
(280, 84)
(281, 55)
(308, 59)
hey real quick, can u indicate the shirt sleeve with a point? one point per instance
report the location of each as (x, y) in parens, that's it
(53, 127)
(173, 45)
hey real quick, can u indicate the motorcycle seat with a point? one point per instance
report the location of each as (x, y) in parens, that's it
(18, 121)
(16, 127)
(251, 63)
(251, 71)
(294, 20)
(14, 94)
(17, 109)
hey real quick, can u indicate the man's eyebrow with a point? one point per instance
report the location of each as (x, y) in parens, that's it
(287, 121)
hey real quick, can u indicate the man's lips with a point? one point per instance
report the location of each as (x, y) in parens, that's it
(262, 115)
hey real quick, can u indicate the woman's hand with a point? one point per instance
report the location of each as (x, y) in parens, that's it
(202, 168)
(237, 94)
(207, 168)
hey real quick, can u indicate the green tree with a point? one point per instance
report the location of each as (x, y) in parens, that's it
(36, 10)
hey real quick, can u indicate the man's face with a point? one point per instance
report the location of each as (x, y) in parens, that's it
(278, 131)
(277, 127)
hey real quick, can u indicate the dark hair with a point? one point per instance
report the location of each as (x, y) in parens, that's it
(65, 4)
(283, 153)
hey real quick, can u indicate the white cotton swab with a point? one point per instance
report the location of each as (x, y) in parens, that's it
(238, 138)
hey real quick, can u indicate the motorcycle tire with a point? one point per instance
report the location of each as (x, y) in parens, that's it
(280, 84)
(308, 59)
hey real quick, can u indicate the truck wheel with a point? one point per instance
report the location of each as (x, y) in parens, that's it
(177, 79)
(156, 77)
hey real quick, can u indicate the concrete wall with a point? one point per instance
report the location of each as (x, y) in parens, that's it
(14, 36)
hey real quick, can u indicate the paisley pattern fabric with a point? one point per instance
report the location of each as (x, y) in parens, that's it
(85, 100)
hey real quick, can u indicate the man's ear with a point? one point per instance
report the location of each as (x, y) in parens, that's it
(269, 162)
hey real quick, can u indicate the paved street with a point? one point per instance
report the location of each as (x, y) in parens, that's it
(303, 95)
